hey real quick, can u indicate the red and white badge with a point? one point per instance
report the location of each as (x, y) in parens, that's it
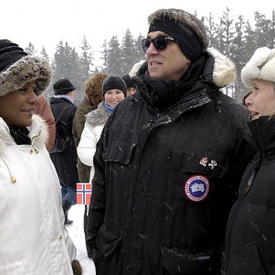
(196, 188)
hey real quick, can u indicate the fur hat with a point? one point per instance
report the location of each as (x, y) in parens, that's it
(93, 87)
(63, 86)
(18, 68)
(187, 29)
(114, 82)
(260, 66)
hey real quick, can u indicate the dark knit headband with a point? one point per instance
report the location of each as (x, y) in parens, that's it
(186, 38)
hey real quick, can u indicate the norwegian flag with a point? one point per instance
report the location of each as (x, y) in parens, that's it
(83, 193)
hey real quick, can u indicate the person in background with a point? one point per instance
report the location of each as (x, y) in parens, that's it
(33, 239)
(43, 109)
(114, 90)
(93, 90)
(64, 154)
(250, 234)
(169, 160)
(131, 86)
(130, 79)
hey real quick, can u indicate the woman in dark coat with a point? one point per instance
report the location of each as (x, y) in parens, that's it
(250, 237)
(64, 154)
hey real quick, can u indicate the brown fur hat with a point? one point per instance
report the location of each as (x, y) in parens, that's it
(93, 88)
(18, 68)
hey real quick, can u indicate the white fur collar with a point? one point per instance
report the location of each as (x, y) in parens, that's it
(38, 132)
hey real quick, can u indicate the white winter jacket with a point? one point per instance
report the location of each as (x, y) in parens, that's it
(33, 240)
(95, 121)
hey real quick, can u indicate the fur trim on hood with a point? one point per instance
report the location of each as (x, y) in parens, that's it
(26, 69)
(224, 72)
(260, 66)
(135, 68)
(38, 132)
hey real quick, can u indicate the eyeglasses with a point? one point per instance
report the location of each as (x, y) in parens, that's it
(160, 42)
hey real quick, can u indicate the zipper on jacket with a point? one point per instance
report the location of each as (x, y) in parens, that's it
(33, 148)
(12, 178)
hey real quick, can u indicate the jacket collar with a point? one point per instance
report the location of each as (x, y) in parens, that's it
(38, 133)
(263, 133)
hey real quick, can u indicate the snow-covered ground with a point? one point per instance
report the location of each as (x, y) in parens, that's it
(77, 235)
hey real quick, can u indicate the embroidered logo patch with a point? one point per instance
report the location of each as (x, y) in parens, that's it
(197, 188)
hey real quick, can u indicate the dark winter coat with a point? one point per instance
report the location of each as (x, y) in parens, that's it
(250, 234)
(63, 155)
(78, 125)
(167, 169)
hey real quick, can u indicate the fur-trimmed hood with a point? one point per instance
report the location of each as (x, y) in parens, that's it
(135, 68)
(98, 116)
(38, 132)
(260, 66)
(26, 69)
(224, 71)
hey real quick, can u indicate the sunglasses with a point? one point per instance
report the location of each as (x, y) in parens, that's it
(160, 42)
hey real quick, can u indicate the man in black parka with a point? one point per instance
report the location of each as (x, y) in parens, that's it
(63, 154)
(169, 160)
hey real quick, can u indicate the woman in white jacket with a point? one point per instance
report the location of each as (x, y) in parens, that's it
(114, 90)
(33, 240)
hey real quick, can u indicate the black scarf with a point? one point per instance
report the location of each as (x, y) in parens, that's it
(162, 93)
(20, 134)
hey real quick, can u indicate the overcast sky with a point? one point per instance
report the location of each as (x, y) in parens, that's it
(46, 22)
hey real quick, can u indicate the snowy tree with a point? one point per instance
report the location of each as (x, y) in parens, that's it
(67, 65)
(138, 48)
(86, 58)
(44, 54)
(30, 49)
(128, 52)
(112, 58)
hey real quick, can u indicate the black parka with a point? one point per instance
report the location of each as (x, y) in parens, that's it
(65, 162)
(165, 181)
(250, 234)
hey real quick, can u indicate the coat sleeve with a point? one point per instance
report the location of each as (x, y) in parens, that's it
(87, 145)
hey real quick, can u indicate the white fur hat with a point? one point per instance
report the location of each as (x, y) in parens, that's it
(260, 66)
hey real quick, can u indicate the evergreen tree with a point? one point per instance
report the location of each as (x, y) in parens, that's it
(67, 65)
(44, 54)
(226, 38)
(128, 52)
(139, 54)
(86, 58)
(30, 49)
(263, 30)
(113, 57)
(104, 56)
(238, 51)
(210, 29)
